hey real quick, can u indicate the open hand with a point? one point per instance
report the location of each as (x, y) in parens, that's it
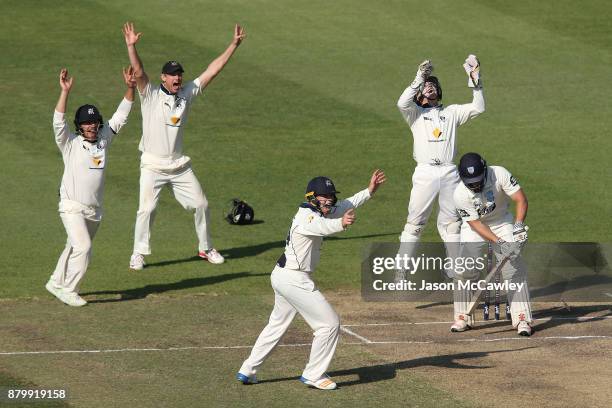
(378, 178)
(131, 36)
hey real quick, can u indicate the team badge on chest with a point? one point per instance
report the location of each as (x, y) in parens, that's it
(177, 110)
(437, 132)
(97, 154)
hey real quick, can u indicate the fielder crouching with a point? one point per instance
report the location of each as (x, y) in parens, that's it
(482, 200)
(295, 291)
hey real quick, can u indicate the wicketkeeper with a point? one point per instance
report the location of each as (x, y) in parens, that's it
(434, 129)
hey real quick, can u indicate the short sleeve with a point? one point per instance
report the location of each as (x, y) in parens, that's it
(507, 181)
(146, 93)
(192, 89)
(464, 206)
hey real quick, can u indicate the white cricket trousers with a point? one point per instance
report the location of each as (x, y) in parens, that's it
(188, 193)
(514, 270)
(72, 264)
(295, 292)
(429, 181)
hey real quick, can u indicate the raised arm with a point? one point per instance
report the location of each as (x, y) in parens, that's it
(471, 110)
(130, 81)
(217, 65)
(131, 38)
(60, 127)
(65, 86)
(342, 207)
(406, 105)
(119, 118)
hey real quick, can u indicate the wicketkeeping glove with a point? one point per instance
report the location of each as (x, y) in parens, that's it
(472, 68)
(424, 71)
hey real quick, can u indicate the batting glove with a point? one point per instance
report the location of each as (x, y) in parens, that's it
(472, 68)
(507, 249)
(520, 233)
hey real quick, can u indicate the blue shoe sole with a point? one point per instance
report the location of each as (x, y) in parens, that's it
(245, 379)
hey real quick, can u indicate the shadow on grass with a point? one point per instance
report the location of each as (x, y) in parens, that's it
(143, 292)
(253, 250)
(383, 372)
(561, 316)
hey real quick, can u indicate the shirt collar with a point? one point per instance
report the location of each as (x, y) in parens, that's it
(164, 90)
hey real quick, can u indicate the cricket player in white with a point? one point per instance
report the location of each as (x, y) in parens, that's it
(82, 187)
(434, 128)
(482, 200)
(294, 289)
(164, 114)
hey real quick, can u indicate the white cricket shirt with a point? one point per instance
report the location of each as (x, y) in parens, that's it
(163, 118)
(490, 205)
(85, 162)
(434, 129)
(305, 237)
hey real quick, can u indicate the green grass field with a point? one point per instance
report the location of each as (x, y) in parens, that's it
(311, 91)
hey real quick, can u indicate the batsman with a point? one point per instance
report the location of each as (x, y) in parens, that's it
(482, 200)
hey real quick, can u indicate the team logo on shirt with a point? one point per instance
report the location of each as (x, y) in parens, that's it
(513, 181)
(437, 132)
(488, 207)
(101, 144)
(174, 119)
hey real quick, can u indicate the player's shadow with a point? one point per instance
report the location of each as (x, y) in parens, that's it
(561, 316)
(383, 372)
(572, 289)
(143, 292)
(254, 250)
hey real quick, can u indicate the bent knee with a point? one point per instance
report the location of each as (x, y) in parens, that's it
(412, 232)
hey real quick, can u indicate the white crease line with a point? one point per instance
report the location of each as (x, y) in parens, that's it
(545, 319)
(13, 353)
(608, 294)
(392, 324)
(352, 333)
(362, 343)
(538, 338)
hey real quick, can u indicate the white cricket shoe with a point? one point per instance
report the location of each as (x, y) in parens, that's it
(72, 299)
(212, 255)
(54, 289)
(323, 383)
(524, 329)
(460, 325)
(137, 261)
